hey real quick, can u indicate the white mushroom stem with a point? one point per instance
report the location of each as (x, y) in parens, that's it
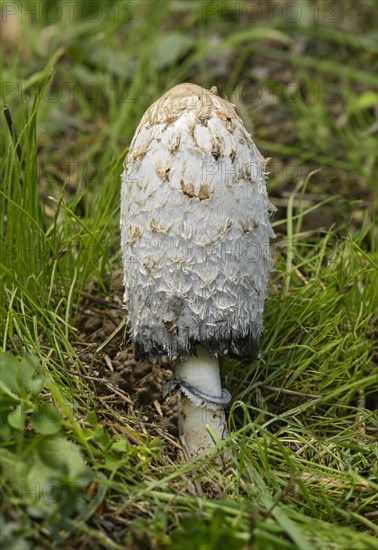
(196, 413)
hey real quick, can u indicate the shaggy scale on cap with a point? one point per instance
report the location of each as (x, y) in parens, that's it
(195, 229)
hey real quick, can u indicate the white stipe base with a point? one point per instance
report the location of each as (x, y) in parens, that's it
(201, 372)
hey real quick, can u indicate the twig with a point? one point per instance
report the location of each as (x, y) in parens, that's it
(291, 392)
(108, 384)
(166, 436)
(301, 276)
(361, 404)
(281, 496)
(100, 301)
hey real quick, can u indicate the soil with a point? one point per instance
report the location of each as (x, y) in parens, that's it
(130, 387)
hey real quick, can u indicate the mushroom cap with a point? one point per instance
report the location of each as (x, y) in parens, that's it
(195, 229)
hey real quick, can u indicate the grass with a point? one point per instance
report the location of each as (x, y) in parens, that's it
(84, 460)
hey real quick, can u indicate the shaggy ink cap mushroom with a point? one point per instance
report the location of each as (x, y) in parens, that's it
(195, 233)
(195, 229)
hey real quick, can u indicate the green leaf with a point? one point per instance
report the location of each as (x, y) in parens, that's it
(197, 532)
(169, 48)
(12, 535)
(16, 419)
(365, 100)
(47, 470)
(5, 430)
(9, 374)
(121, 445)
(35, 386)
(46, 419)
(101, 437)
(60, 455)
(92, 419)
(16, 376)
